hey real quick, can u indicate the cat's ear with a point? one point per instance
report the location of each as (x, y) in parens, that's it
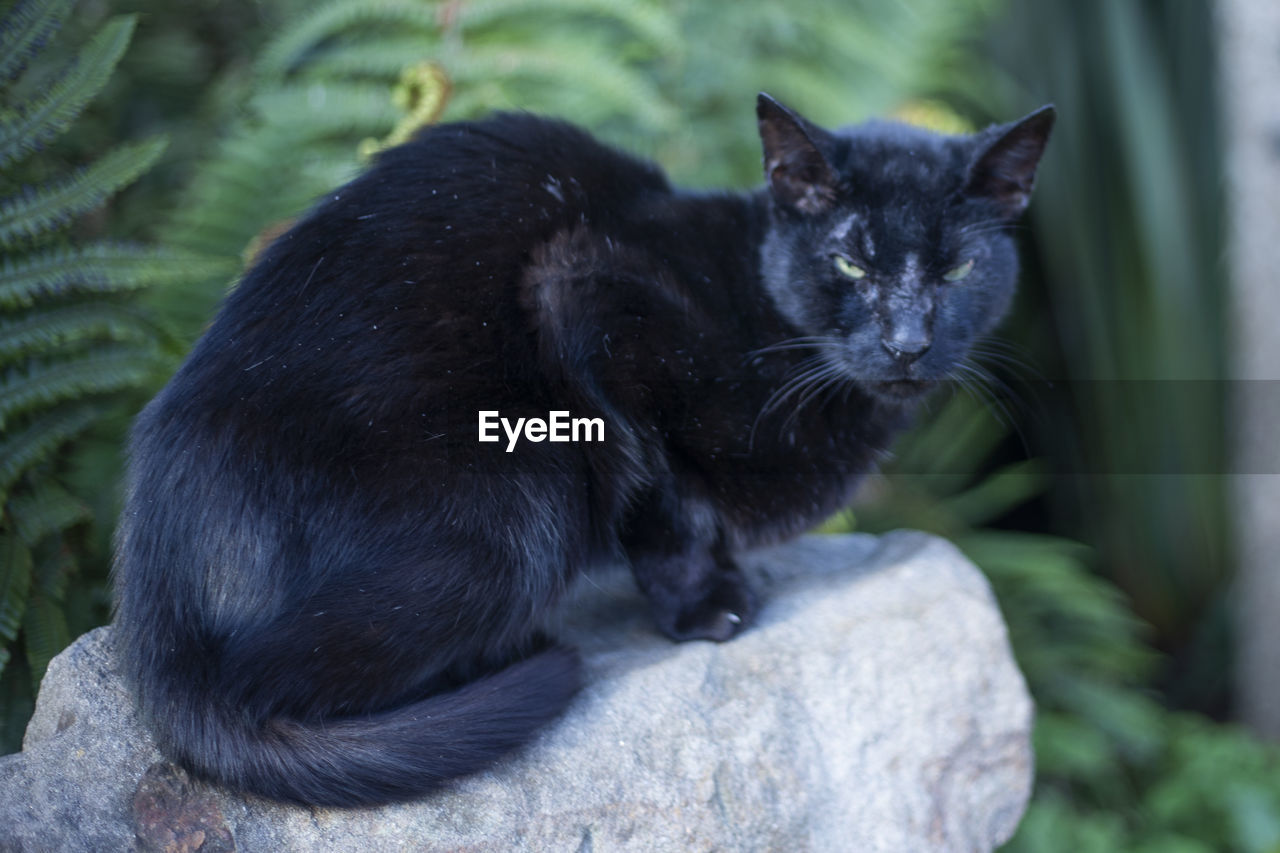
(797, 170)
(1004, 170)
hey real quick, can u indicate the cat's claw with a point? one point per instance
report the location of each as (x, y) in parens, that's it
(721, 616)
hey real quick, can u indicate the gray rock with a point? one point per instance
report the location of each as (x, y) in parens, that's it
(874, 707)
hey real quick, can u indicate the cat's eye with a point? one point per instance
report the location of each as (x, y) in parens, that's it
(958, 272)
(848, 268)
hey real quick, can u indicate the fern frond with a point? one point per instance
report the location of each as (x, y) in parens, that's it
(256, 178)
(302, 39)
(15, 588)
(104, 268)
(44, 633)
(53, 111)
(43, 332)
(110, 368)
(643, 20)
(49, 576)
(36, 211)
(25, 29)
(40, 438)
(555, 71)
(319, 108)
(46, 510)
(383, 59)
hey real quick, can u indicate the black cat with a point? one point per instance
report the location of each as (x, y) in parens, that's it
(330, 589)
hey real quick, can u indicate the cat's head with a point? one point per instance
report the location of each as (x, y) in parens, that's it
(889, 248)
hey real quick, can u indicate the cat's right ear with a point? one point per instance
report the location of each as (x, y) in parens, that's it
(797, 171)
(1005, 169)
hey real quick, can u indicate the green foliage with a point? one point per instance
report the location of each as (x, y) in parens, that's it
(29, 129)
(324, 88)
(34, 212)
(1122, 299)
(325, 82)
(1126, 263)
(1204, 788)
(1116, 770)
(28, 26)
(1125, 282)
(71, 340)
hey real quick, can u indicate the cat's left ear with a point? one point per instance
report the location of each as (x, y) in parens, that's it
(1004, 170)
(794, 164)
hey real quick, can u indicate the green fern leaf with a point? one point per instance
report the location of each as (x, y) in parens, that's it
(34, 212)
(301, 39)
(321, 109)
(44, 332)
(40, 438)
(44, 633)
(255, 179)
(26, 28)
(382, 59)
(644, 20)
(52, 112)
(96, 372)
(47, 510)
(50, 576)
(555, 71)
(15, 586)
(96, 268)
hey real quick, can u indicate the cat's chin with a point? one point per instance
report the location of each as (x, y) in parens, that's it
(901, 390)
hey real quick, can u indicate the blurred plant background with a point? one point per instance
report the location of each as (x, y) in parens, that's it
(1102, 422)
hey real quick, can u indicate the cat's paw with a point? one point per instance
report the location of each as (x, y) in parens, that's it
(727, 610)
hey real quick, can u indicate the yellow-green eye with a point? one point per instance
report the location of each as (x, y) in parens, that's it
(848, 268)
(957, 273)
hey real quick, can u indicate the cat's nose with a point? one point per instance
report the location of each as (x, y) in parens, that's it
(906, 347)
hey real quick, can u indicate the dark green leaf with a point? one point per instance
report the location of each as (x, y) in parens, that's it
(26, 28)
(36, 442)
(52, 111)
(44, 634)
(96, 372)
(34, 212)
(95, 268)
(15, 584)
(47, 510)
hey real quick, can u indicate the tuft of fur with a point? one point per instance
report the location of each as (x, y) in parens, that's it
(330, 592)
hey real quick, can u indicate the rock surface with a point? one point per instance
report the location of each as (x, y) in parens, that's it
(874, 707)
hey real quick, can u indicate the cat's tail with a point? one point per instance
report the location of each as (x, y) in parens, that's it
(387, 757)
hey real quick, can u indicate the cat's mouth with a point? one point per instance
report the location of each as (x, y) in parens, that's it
(901, 389)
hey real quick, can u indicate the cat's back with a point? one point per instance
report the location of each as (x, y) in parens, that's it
(509, 174)
(413, 265)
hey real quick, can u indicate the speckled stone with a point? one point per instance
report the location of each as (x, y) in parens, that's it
(874, 707)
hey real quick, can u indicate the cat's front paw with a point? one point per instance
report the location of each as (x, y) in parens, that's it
(722, 614)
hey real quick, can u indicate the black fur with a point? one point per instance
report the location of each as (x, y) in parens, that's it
(329, 592)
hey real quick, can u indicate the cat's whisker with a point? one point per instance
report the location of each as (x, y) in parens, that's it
(973, 382)
(800, 346)
(1011, 367)
(998, 342)
(822, 386)
(805, 392)
(988, 226)
(984, 226)
(1005, 354)
(817, 370)
(795, 383)
(974, 361)
(802, 342)
(977, 382)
